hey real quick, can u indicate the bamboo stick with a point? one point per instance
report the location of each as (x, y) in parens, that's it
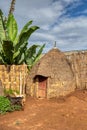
(20, 83)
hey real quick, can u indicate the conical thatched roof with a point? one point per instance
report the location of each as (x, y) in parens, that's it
(53, 64)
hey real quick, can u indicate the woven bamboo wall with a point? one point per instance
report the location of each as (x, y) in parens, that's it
(15, 78)
(78, 62)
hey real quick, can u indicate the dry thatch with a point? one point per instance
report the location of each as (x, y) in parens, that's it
(1, 89)
(59, 76)
(53, 64)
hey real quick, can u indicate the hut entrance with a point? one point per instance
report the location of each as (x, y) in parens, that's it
(42, 87)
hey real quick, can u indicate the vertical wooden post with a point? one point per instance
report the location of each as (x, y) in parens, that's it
(75, 63)
(24, 67)
(20, 83)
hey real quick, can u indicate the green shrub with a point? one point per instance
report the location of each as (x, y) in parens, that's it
(6, 106)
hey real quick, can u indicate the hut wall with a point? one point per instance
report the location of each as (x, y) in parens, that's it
(58, 88)
(78, 62)
(31, 86)
(14, 77)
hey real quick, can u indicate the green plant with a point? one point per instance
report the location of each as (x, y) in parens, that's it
(32, 55)
(13, 46)
(6, 106)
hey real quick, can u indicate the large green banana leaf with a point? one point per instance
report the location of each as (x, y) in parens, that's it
(18, 55)
(8, 51)
(2, 31)
(12, 28)
(31, 51)
(21, 59)
(1, 45)
(25, 36)
(33, 55)
(2, 58)
(38, 55)
(25, 28)
(19, 51)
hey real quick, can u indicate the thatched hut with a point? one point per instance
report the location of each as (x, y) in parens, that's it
(51, 76)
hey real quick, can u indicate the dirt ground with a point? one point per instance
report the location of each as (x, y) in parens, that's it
(65, 113)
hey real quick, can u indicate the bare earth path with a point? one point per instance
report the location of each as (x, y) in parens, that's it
(69, 113)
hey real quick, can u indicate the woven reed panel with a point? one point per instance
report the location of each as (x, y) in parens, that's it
(13, 76)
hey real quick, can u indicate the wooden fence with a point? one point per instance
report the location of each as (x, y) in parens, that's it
(14, 77)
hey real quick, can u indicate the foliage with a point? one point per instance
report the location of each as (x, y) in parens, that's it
(32, 55)
(13, 46)
(6, 106)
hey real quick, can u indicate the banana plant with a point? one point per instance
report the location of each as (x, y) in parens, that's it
(32, 55)
(2, 37)
(13, 46)
(2, 26)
